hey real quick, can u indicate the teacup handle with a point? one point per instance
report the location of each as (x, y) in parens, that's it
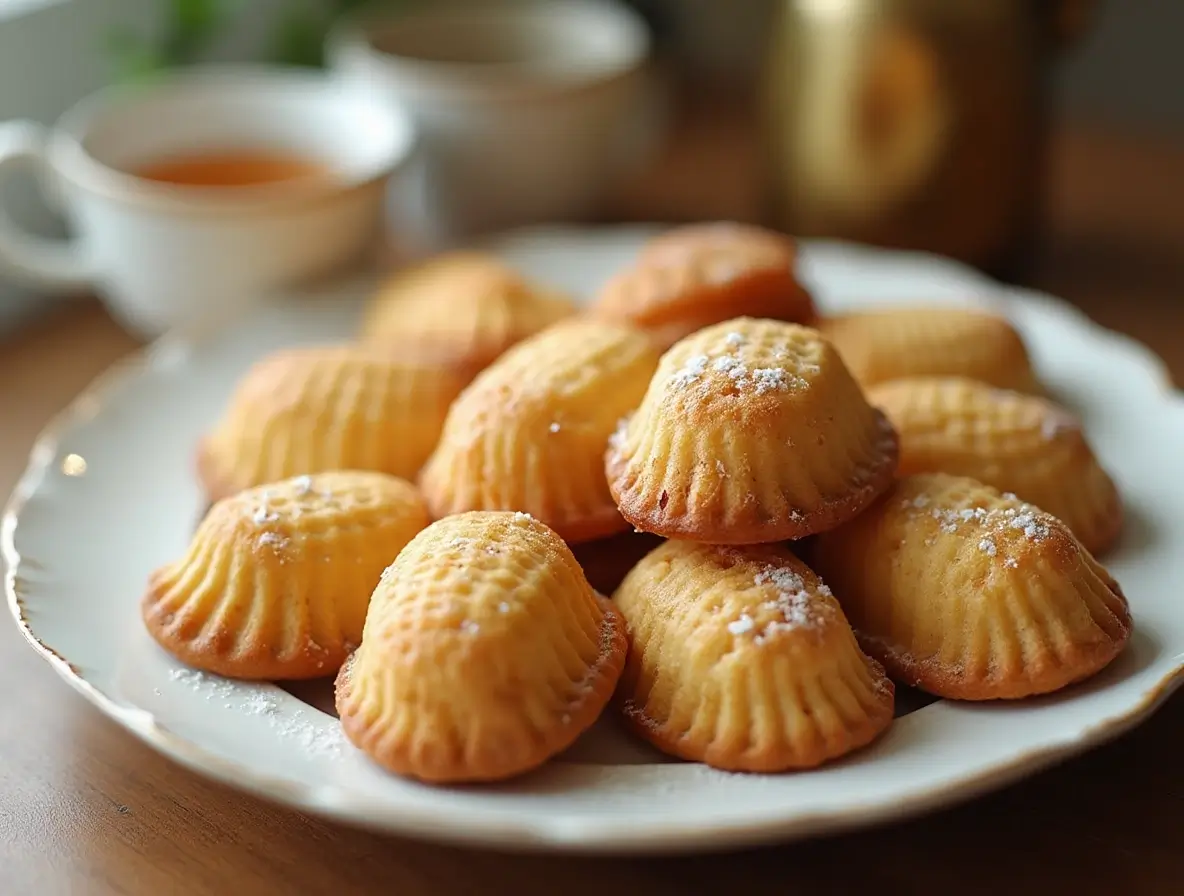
(35, 260)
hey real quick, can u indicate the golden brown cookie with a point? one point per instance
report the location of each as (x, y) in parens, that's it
(315, 409)
(751, 431)
(971, 594)
(529, 433)
(741, 658)
(461, 309)
(684, 240)
(485, 653)
(895, 343)
(276, 580)
(694, 276)
(1016, 443)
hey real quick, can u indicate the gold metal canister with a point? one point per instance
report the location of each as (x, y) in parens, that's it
(914, 124)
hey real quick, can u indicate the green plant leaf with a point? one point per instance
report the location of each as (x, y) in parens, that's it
(196, 16)
(300, 39)
(131, 57)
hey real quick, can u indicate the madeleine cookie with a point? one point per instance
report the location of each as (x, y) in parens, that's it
(741, 658)
(751, 431)
(1013, 442)
(276, 581)
(529, 433)
(878, 346)
(485, 653)
(310, 410)
(462, 309)
(971, 594)
(694, 276)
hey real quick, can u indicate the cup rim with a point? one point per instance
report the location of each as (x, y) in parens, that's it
(74, 163)
(354, 36)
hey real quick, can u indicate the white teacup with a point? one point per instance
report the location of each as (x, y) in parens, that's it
(165, 254)
(527, 110)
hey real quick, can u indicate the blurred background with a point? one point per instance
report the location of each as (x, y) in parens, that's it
(957, 126)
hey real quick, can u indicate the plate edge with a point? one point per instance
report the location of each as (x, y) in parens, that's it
(540, 838)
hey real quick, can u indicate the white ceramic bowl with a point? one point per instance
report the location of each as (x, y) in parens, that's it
(529, 110)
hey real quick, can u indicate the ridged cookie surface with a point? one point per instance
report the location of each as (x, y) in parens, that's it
(485, 653)
(276, 580)
(1014, 442)
(741, 658)
(971, 594)
(751, 431)
(321, 408)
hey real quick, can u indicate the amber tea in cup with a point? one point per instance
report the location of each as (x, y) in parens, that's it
(231, 168)
(207, 189)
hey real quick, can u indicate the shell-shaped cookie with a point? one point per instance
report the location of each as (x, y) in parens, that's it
(971, 594)
(751, 431)
(485, 653)
(1014, 442)
(276, 580)
(321, 408)
(462, 309)
(694, 276)
(895, 343)
(688, 239)
(741, 658)
(529, 433)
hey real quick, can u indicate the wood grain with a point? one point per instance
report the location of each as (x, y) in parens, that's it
(86, 809)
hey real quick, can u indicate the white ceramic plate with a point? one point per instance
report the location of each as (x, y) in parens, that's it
(79, 548)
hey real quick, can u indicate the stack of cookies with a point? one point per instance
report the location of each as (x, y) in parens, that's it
(791, 513)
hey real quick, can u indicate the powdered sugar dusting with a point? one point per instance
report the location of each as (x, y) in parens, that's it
(742, 626)
(1027, 521)
(272, 540)
(690, 372)
(781, 578)
(770, 379)
(759, 380)
(991, 528)
(947, 519)
(303, 485)
(325, 739)
(554, 427)
(794, 607)
(260, 705)
(317, 736)
(211, 686)
(731, 366)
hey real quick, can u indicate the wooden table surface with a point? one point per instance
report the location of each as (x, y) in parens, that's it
(86, 809)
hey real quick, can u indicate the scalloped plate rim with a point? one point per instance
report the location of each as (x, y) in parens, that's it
(663, 837)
